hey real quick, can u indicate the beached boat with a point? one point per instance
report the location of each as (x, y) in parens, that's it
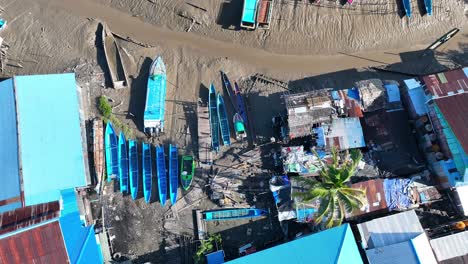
(428, 5)
(161, 173)
(133, 167)
(229, 90)
(233, 214)
(204, 133)
(223, 121)
(240, 103)
(98, 152)
(239, 127)
(214, 120)
(123, 163)
(407, 7)
(147, 171)
(111, 147)
(173, 173)
(153, 117)
(249, 14)
(187, 171)
(265, 9)
(116, 67)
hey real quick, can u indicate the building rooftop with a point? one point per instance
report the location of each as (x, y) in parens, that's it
(335, 245)
(447, 83)
(450, 248)
(375, 196)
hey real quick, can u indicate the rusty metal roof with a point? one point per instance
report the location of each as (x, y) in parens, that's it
(446, 83)
(43, 244)
(455, 110)
(375, 196)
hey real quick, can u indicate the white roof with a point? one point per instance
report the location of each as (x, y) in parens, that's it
(462, 192)
(452, 246)
(412, 83)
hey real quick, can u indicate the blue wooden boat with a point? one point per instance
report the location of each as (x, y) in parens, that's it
(240, 103)
(233, 214)
(133, 167)
(407, 7)
(111, 149)
(123, 163)
(147, 172)
(153, 117)
(428, 4)
(223, 121)
(173, 173)
(161, 173)
(229, 90)
(214, 121)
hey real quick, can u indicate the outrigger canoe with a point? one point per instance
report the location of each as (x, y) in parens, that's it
(214, 121)
(111, 147)
(161, 172)
(123, 163)
(233, 214)
(133, 167)
(173, 173)
(147, 172)
(187, 171)
(223, 121)
(153, 117)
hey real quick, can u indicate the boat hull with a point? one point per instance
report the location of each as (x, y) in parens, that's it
(233, 214)
(173, 173)
(161, 172)
(133, 168)
(153, 117)
(115, 64)
(229, 90)
(428, 5)
(407, 6)
(240, 103)
(111, 149)
(187, 170)
(223, 121)
(98, 152)
(214, 120)
(147, 172)
(123, 163)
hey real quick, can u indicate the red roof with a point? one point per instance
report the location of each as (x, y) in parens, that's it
(375, 196)
(43, 244)
(455, 111)
(446, 83)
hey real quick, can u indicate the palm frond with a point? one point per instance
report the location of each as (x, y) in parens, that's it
(348, 202)
(326, 208)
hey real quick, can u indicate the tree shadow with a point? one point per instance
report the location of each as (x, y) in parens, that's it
(136, 107)
(229, 15)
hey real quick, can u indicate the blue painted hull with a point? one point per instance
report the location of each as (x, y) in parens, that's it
(428, 4)
(223, 121)
(173, 173)
(240, 104)
(133, 167)
(161, 171)
(214, 121)
(407, 6)
(153, 117)
(147, 172)
(123, 163)
(230, 91)
(233, 214)
(111, 147)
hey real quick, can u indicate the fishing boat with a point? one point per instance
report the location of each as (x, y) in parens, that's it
(428, 5)
(147, 172)
(161, 173)
(265, 9)
(123, 163)
(223, 121)
(249, 14)
(173, 173)
(214, 121)
(187, 171)
(240, 103)
(204, 133)
(112, 158)
(153, 117)
(133, 167)
(239, 127)
(117, 71)
(407, 7)
(98, 152)
(229, 90)
(233, 214)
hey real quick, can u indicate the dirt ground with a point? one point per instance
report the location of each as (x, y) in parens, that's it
(308, 47)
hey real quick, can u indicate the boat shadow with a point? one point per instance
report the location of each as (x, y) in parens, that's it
(138, 94)
(100, 55)
(229, 14)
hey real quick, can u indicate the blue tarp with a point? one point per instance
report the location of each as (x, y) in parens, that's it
(215, 257)
(397, 193)
(354, 94)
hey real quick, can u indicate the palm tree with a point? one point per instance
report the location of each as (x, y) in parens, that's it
(333, 189)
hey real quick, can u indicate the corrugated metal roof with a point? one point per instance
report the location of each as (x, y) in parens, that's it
(50, 136)
(455, 111)
(345, 133)
(43, 244)
(9, 174)
(393, 93)
(452, 246)
(446, 83)
(335, 245)
(462, 192)
(390, 230)
(215, 257)
(375, 197)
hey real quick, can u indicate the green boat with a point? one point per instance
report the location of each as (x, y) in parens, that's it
(187, 170)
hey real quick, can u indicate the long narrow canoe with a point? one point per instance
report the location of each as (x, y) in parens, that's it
(407, 7)
(115, 64)
(173, 173)
(123, 163)
(133, 167)
(233, 214)
(214, 121)
(147, 172)
(112, 158)
(428, 4)
(229, 90)
(98, 152)
(223, 121)
(153, 117)
(240, 103)
(187, 170)
(161, 171)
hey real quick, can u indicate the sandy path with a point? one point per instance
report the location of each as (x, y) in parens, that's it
(127, 25)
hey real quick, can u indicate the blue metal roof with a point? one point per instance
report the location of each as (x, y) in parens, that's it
(215, 257)
(68, 202)
(417, 97)
(50, 136)
(393, 93)
(9, 174)
(80, 241)
(335, 245)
